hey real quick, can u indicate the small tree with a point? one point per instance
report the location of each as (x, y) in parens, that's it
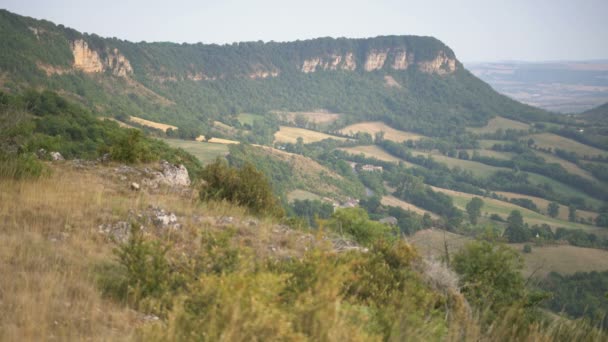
(553, 209)
(516, 230)
(474, 209)
(572, 213)
(490, 274)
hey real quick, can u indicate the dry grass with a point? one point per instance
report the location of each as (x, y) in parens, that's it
(205, 152)
(564, 259)
(291, 134)
(218, 141)
(477, 168)
(52, 251)
(431, 242)
(377, 126)
(554, 141)
(148, 123)
(499, 122)
(395, 202)
(542, 204)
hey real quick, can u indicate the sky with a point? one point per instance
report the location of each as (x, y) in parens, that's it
(477, 30)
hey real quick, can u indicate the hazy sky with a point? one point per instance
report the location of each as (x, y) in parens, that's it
(477, 30)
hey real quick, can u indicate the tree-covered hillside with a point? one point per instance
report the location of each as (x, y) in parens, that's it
(192, 84)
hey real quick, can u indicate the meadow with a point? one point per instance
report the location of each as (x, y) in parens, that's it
(288, 134)
(205, 152)
(499, 123)
(157, 125)
(376, 126)
(554, 141)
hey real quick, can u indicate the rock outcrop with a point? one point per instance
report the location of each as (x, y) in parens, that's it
(375, 60)
(170, 175)
(89, 60)
(441, 65)
(330, 62)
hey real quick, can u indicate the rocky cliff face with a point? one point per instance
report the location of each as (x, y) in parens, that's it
(392, 59)
(90, 61)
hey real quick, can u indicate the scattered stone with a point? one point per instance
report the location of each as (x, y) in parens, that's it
(105, 158)
(56, 156)
(225, 220)
(162, 219)
(135, 186)
(42, 154)
(119, 231)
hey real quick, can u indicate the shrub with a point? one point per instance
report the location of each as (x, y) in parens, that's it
(246, 186)
(527, 248)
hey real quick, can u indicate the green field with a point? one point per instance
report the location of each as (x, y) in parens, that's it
(478, 169)
(568, 166)
(563, 189)
(554, 141)
(502, 208)
(375, 151)
(499, 123)
(246, 118)
(205, 152)
(302, 195)
(491, 153)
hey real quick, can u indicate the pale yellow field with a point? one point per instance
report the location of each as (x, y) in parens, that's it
(222, 141)
(377, 126)
(499, 122)
(564, 259)
(491, 153)
(395, 202)
(375, 152)
(550, 140)
(291, 134)
(542, 204)
(319, 116)
(157, 125)
(541, 261)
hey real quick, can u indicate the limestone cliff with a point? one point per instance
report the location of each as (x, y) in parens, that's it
(398, 58)
(90, 61)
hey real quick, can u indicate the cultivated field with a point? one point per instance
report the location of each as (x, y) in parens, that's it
(291, 134)
(375, 152)
(395, 202)
(564, 259)
(542, 204)
(246, 118)
(218, 141)
(205, 152)
(568, 166)
(319, 117)
(499, 122)
(152, 124)
(478, 169)
(302, 195)
(553, 141)
(563, 189)
(374, 127)
(491, 153)
(502, 208)
(120, 123)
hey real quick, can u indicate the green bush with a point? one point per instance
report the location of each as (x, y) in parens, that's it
(245, 186)
(21, 166)
(527, 248)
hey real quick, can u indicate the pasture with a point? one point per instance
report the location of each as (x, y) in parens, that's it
(205, 152)
(499, 123)
(248, 119)
(478, 169)
(395, 202)
(374, 151)
(554, 141)
(288, 134)
(542, 204)
(157, 125)
(318, 117)
(377, 126)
